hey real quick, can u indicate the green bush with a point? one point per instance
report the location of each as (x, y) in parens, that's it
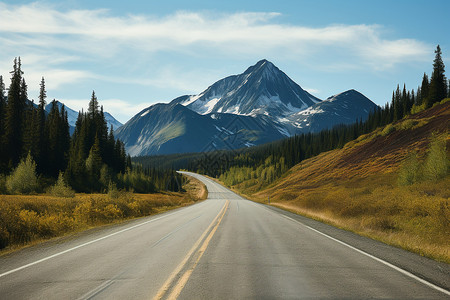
(408, 124)
(388, 129)
(410, 171)
(23, 179)
(61, 188)
(113, 192)
(417, 108)
(437, 164)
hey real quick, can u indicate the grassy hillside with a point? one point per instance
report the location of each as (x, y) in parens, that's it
(360, 187)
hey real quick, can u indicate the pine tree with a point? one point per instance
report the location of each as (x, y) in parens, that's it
(15, 110)
(58, 139)
(396, 101)
(3, 154)
(94, 165)
(425, 89)
(93, 106)
(29, 133)
(41, 133)
(438, 85)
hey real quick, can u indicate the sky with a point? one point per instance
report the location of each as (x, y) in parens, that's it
(137, 53)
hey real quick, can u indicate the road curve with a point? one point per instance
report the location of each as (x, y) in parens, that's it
(222, 248)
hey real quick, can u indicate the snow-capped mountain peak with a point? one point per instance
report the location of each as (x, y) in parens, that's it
(260, 105)
(262, 89)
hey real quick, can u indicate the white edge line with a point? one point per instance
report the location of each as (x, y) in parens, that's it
(82, 245)
(429, 284)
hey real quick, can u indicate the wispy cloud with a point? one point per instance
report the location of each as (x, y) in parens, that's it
(63, 45)
(94, 31)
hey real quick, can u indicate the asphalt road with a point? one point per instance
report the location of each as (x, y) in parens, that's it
(222, 248)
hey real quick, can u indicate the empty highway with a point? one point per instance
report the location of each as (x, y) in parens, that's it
(225, 247)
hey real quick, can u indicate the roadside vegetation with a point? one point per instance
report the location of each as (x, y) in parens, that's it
(26, 219)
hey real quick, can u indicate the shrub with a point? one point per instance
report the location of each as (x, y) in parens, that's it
(61, 188)
(409, 170)
(388, 129)
(113, 192)
(111, 212)
(23, 180)
(408, 124)
(417, 108)
(437, 162)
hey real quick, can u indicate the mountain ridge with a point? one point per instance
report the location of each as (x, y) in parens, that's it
(262, 85)
(262, 104)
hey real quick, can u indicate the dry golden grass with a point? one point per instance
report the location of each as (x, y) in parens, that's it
(26, 219)
(414, 217)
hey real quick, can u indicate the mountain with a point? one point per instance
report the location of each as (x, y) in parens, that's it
(343, 108)
(72, 117)
(173, 128)
(261, 90)
(258, 106)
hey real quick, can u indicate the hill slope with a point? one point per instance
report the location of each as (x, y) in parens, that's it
(357, 188)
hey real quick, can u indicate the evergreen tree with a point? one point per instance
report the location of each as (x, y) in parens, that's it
(94, 165)
(3, 154)
(14, 118)
(438, 85)
(58, 140)
(41, 133)
(425, 89)
(29, 134)
(396, 101)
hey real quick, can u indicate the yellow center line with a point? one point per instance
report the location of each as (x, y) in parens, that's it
(185, 277)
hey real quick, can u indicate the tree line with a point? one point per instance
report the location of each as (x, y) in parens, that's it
(91, 159)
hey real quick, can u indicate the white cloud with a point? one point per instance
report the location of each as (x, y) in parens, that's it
(96, 31)
(69, 46)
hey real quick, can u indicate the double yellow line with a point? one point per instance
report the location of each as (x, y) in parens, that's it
(196, 253)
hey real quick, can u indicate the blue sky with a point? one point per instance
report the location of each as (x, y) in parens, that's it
(135, 53)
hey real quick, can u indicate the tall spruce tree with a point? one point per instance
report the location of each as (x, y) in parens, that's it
(3, 154)
(424, 89)
(58, 139)
(438, 84)
(41, 154)
(14, 118)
